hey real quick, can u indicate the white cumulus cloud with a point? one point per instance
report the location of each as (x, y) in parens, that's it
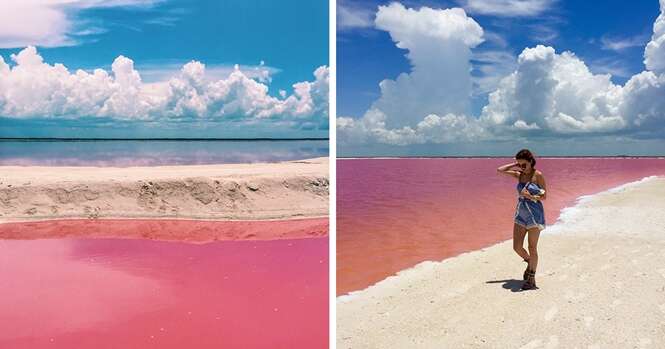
(31, 88)
(438, 44)
(555, 92)
(654, 54)
(421, 106)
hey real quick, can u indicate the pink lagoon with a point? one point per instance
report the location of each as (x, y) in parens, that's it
(394, 213)
(138, 293)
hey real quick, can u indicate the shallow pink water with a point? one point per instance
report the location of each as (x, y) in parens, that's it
(395, 213)
(127, 293)
(166, 229)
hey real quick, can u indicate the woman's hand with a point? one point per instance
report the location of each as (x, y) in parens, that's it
(508, 169)
(528, 195)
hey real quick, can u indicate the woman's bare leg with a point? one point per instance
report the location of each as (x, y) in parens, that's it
(519, 232)
(534, 234)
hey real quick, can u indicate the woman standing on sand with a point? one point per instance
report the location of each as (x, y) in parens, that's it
(529, 214)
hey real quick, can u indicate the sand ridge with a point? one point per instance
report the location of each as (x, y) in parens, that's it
(284, 190)
(601, 279)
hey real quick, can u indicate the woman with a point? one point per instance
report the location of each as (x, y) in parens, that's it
(529, 214)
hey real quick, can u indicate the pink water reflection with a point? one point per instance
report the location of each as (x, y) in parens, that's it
(127, 293)
(166, 229)
(395, 213)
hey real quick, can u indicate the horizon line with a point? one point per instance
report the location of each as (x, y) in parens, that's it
(73, 139)
(493, 156)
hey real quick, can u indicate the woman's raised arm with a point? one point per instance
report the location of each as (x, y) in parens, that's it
(506, 169)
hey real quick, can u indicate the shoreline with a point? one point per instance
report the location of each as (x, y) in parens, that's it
(566, 214)
(503, 157)
(600, 261)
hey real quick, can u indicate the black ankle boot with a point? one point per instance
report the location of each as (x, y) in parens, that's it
(530, 282)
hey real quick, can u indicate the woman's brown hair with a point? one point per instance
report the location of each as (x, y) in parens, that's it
(525, 154)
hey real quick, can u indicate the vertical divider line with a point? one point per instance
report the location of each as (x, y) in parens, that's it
(332, 105)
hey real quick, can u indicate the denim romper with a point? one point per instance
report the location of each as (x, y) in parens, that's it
(529, 213)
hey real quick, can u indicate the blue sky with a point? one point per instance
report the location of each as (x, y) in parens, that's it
(608, 38)
(277, 44)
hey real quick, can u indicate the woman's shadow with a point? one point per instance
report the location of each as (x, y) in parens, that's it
(513, 285)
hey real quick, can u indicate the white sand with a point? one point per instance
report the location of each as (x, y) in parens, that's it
(601, 279)
(292, 189)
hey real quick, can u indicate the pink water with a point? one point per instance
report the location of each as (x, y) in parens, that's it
(395, 213)
(166, 229)
(132, 293)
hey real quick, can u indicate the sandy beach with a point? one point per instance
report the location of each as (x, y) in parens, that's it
(229, 191)
(193, 203)
(601, 279)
